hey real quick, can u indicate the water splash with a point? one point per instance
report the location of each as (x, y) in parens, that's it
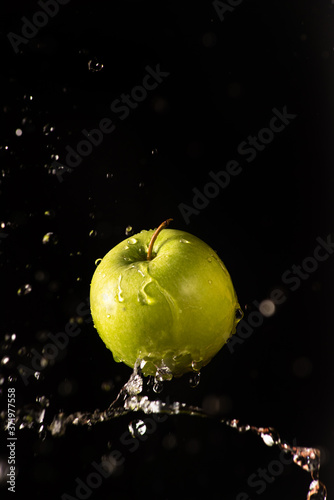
(130, 399)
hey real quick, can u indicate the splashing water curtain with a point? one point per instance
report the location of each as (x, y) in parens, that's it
(129, 399)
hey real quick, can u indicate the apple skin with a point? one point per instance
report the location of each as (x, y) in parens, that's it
(174, 311)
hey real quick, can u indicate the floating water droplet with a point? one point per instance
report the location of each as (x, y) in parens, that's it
(50, 238)
(154, 152)
(194, 379)
(93, 233)
(24, 290)
(267, 308)
(49, 213)
(109, 175)
(47, 129)
(22, 351)
(137, 427)
(158, 386)
(18, 132)
(5, 360)
(94, 65)
(128, 230)
(132, 241)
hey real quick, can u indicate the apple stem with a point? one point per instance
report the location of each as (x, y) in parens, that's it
(154, 237)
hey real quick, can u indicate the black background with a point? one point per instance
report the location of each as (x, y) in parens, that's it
(225, 77)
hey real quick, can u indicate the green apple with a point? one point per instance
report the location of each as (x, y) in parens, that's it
(164, 297)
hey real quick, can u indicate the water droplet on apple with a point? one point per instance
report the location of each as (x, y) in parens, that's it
(120, 291)
(210, 282)
(132, 241)
(239, 314)
(97, 262)
(196, 365)
(137, 427)
(143, 296)
(209, 259)
(182, 240)
(108, 316)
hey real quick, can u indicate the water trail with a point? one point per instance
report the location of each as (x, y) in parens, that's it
(130, 399)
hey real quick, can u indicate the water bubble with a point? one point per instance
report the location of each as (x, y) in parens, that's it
(94, 65)
(24, 290)
(132, 241)
(137, 427)
(50, 238)
(128, 230)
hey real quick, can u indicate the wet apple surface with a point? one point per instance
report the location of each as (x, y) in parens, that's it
(171, 303)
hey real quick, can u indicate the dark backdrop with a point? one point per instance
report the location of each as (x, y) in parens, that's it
(225, 72)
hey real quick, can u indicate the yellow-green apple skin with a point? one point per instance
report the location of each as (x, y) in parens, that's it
(174, 311)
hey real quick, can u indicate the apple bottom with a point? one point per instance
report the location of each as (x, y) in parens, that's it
(164, 364)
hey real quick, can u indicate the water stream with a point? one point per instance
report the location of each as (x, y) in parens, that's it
(131, 400)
